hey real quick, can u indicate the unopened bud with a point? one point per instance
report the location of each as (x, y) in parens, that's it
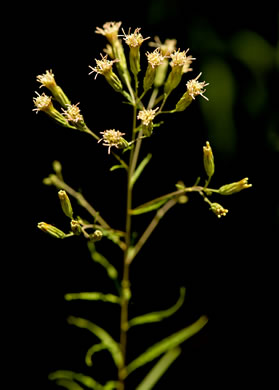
(208, 160)
(218, 210)
(75, 227)
(96, 236)
(65, 203)
(229, 189)
(51, 230)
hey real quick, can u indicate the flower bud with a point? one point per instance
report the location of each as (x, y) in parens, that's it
(208, 160)
(96, 236)
(65, 203)
(51, 230)
(229, 189)
(218, 210)
(75, 227)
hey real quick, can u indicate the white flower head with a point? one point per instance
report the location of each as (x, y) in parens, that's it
(135, 39)
(155, 58)
(147, 116)
(72, 113)
(103, 66)
(195, 87)
(42, 102)
(109, 30)
(112, 138)
(47, 79)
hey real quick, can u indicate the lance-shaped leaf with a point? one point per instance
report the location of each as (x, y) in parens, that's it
(70, 385)
(148, 207)
(158, 315)
(70, 376)
(93, 296)
(140, 168)
(98, 258)
(111, 345)
(159, 369)
(166, 344)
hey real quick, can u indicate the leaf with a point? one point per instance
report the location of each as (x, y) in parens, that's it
(158, 315)
(166, 344)
(159, 369)
(149, 207)
(140, 169)
(93, 296)
(98, 258)
(70, 385)
(91, 351)
(64, 375)
(111, 345)
(114, 167)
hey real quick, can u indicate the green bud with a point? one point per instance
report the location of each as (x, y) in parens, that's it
(65, 203)
(57, 167)
(113, 81)
(96, 236)
(51, 230)
(229, 189)
(218, 210)
(75, 227)
(208, 160)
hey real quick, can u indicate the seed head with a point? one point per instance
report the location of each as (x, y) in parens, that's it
(195, 87)
(109, 30)
(72, 113)
(47, 79)
(135, 39)
(104, 65)
(112, 138)
(155, 58)
(147, 116)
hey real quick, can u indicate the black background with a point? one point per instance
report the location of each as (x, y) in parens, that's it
(227, 265)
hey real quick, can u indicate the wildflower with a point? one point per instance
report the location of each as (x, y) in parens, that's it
(47, 80)
(195, 87)
(44, 103)
(109, 30)
(104, 67)
(168, 47)
(134, 41)
(208, 160)
(232, 188)
(72, 113)
(51, 230)
(218, 210)
(146, 117)
(155, 58)
(65, 203)
(178, 62)
(113, 138)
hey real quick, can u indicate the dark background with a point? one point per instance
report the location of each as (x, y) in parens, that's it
(227, 265)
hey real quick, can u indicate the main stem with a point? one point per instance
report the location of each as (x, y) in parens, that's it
(125, 284)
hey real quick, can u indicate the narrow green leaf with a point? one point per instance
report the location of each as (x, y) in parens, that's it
(114, 167)
(98, 258)
(93, 296)
(159, 369)
(91, 351)
(111, 345)
(88, 381)
(166, 344)
(158, 315)
(140, 169)
(150, 207)
(70, 385)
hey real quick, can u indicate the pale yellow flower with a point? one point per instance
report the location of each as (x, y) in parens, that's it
(195, 87)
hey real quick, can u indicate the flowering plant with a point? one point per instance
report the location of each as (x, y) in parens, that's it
(159, 83)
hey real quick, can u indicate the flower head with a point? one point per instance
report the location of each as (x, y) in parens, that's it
(147, 116)
(166, 48)
(232, 188)
(72, 113)
(112, 138)
(218, 210)
(195, 87)
(47, 79)
(135, 39)
(155, 58)
(103, 66)
(179, 58)
(42, 102)
(109, 30)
